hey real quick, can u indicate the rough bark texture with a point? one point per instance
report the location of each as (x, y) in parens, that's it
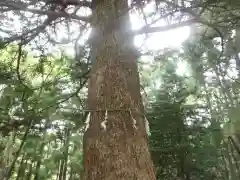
(121, 151)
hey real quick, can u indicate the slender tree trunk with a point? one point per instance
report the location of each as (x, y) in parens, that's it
(41, 150)
(66, 146)
(115, 143)
(58, 171)
(234, 141)
(23, 176)
(224, 161)
(60, 177)
(20, 168)
(181, 154)
(61, 164)
(29, 175)
(71, 174)
(11, 168)
(231, 165)
(39, 161)
(235, 152)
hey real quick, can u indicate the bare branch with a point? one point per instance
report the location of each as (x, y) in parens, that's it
(31, 34)
(75, 2)
(23, 7)
(18, 65)
(164, 28)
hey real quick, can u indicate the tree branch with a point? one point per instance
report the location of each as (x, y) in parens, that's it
(164, 28)
(30, 34)
(22, 7)
(18, 66)
(83, 3)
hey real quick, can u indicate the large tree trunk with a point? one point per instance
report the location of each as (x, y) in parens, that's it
(119, 151)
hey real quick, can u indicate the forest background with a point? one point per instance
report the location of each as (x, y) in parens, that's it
(189, 68)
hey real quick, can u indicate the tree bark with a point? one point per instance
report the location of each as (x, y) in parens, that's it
(29, 175)
(60, 177)
(21, 168)
(66, 146)
(119, 151)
